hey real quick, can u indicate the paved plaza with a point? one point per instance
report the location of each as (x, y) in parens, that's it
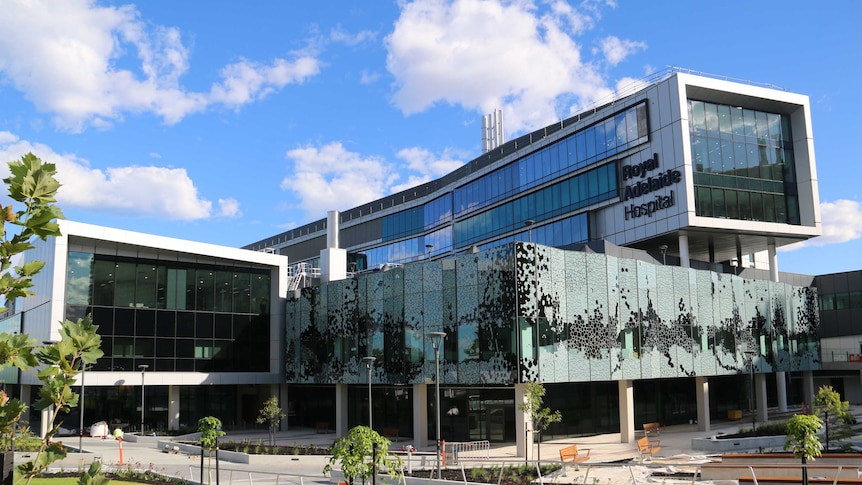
(611, 462)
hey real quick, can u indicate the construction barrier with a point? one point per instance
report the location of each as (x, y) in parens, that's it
(467, 450)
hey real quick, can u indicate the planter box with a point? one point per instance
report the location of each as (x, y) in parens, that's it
(738, 444)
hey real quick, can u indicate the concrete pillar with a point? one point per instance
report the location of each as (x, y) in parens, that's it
(173, 407)
(781, 390)
(773, 261)
(760, 394)
(45, 424)
(701, 384)
(684, 260)
(523, 423)
(341, 410)
(420, 416)
(627, 411)
(808, 387)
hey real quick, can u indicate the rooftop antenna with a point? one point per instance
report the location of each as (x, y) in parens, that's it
(492, 131)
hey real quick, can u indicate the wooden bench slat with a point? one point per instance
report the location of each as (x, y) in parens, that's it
(571, 453)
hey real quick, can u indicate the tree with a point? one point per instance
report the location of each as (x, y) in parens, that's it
(542, 417)
(802, 439)
(352, 452)
(828, 401)
(271, 414)
(210, 430)
(33, 186)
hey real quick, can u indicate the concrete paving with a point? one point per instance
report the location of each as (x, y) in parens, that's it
(610, 461)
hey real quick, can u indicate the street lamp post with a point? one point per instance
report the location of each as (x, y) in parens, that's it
(143, 368)
(751, 354)
(529, 223)
(428, 248)
(663, 249)
(81, 421)
(436, 342)
(369, 361)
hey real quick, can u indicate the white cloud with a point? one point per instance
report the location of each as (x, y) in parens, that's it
(841, 222)
(89, 65)
(616, 50)
(484, 54)
(331, 178)
(229, 208)
(347, 38)
(134, 191)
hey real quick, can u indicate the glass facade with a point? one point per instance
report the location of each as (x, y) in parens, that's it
(604, 139)
(428, 230)
(743, 163)
(172, 316)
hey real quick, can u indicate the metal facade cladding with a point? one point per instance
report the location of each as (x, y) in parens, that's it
(526, 312)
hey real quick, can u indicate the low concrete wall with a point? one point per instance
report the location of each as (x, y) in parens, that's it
(733, 466)
(737, 444)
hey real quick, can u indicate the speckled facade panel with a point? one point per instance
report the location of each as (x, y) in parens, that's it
(629, 342)
(599, 318)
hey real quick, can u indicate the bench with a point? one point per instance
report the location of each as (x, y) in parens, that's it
(321, 427)
(652, 428)
(391, 433)
(648, 448)
(571, 454)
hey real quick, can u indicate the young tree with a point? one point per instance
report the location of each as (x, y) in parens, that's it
(271, 414)
(210, 430)
(542, 417)
(32, 184)
(352, 452)
(802, 439)
(828, 401)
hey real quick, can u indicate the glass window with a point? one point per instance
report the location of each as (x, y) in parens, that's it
(124, 293)
(703, 201)
(145, 323)
(205, 291)
(146, 280)
(744, 201)
(166, 324)
(103, 282)
(718, 209)
(724, 123)
(730, 203)
(78, 277)
(697, 119)
(711, 115)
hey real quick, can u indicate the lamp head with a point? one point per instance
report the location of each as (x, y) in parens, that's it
(436, 338)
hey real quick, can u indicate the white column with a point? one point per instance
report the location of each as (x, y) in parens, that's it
(341, 410)
(684, 260)
(420, 416)
(45, 424)
(627, 411)
(760, 394)
(781, 388)
(173, 407)
(773, 261)
(523, 422)
(701, 384)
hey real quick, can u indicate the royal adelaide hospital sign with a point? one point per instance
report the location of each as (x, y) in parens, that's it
(649, 180)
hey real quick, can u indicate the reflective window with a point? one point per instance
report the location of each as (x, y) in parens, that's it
(140, 309)
(748, 155)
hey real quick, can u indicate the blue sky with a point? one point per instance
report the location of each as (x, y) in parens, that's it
(228, 122)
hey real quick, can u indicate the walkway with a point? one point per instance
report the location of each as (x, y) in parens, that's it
(605, 451)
